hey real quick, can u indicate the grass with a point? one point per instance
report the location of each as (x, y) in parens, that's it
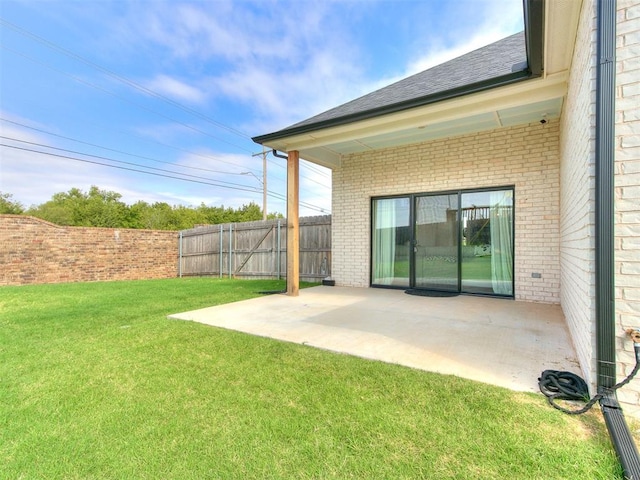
(473, 268)
(96, 382)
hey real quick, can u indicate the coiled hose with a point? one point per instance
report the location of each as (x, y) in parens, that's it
(559, 385)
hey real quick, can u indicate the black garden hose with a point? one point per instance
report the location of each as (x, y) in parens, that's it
(558, 385)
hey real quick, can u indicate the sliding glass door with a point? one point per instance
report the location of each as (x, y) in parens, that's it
(436, 242)
(391, 234)
(456, 241)
(487, 250)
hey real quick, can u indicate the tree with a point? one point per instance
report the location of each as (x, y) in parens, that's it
(103, 208)
(97, 208)
(7, 205)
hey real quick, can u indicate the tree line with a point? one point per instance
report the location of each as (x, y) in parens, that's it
(102, 208)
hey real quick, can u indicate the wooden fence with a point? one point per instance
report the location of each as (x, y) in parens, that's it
(256, 249)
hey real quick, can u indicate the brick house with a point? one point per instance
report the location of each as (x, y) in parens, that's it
(496, 174)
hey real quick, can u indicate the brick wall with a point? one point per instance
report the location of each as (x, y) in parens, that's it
(525, 156)
(577, 147)
(577, 200)
(627, 193)
(35, 251)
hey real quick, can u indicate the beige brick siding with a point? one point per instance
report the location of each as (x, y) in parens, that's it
(35, 251)
(627, 193)
(577, 198)
(525, 156)
(577, 148)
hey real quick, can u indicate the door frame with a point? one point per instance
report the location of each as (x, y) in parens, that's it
(412, 254)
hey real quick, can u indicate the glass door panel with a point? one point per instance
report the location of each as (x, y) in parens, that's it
(391, 242)
(487, 242)
(436, 242)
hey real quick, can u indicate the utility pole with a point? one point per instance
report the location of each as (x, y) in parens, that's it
(264, 181)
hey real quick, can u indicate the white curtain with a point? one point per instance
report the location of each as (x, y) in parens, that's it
(384, 248)
(501, 216)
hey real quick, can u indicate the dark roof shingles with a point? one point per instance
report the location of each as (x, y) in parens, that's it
(492, 61)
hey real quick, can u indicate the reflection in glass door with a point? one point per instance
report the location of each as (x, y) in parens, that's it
(456, 242)
(487, 242)
(436, 242)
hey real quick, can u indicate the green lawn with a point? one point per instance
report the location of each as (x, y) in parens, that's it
(96, 382)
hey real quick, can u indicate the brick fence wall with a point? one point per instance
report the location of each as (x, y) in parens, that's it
(35, 251)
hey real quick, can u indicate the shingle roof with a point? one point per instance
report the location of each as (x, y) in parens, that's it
(504, 57)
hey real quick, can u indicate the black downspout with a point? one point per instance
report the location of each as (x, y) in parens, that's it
(604, 183)
(604, 228)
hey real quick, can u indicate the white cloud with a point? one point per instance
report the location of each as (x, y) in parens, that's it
(224, 29)
(323, 70)
(437, 57)
(280, 97)
(476, 25)
(162, 132)
(256, 66)
(174, 88)
(33, 178)
(283, 61)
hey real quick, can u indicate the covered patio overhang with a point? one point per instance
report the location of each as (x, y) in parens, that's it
(512, 105)
(490, 340)
(535, 94)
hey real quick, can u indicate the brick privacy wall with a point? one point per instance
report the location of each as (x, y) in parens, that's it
(627, 194)
(524, 156)
(577, 198)
(34, 251)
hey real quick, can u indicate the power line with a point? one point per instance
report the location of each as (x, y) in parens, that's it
(316, 170)
(315, 181)
(116, 161)
(306, 164)
(150, 110)
(150, 158)
(140, 88)
(301, 175)
(121, 78)
(146, 139)
(212, 183)
(123, 152)
(104, 90)
(127, 153)
(123, 168)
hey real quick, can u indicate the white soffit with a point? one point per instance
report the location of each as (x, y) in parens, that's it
(329, 154)
(561, 25)
(518, 104)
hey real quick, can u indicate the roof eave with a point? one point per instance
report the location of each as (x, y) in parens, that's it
(396, 107)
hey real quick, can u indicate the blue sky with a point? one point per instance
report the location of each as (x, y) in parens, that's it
(176, 89)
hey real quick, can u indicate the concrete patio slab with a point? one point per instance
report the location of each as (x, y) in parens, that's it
(496, 341)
